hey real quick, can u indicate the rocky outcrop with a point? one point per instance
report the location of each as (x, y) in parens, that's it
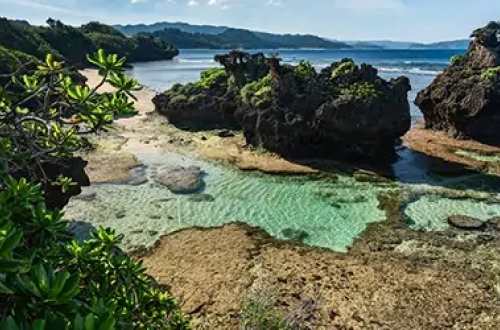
(346, 111)
(464, 100)
(211, 102)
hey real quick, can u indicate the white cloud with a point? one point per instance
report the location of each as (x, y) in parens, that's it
(137, 1)
(193, 3)
(275, 3)
(223, 4)
(369, 4)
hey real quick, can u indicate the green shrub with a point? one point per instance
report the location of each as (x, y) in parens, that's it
(457, 59)
(48, 280)
(490, 73)
(258, 93)
(212, 77)
(304, 71)
(48, 116)
(361, 90)
(346, 67)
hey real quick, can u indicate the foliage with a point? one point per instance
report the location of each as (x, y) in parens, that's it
(346, 67)
(72, 43)
(212, 77)
(48, 280)
(361, 90)
(457, 59)
(490, 73)
(258, 93)
(47, 116)
(304, 71)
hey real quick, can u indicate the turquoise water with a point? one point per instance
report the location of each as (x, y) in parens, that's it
(329, 212)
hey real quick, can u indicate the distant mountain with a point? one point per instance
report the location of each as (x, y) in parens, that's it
(184, 27)
(185, 35)
(388, 44)
(454, 44)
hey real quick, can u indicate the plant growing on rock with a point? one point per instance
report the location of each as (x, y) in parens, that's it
(361, 90)
(258, 93)
(345, 67)
(490, 73)
(212, 77)
(45, 116)
(457, 59)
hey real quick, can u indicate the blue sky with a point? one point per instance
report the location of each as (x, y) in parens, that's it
(414, 20)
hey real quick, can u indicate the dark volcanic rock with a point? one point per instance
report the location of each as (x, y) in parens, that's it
(181, 180)
(465, 222)
(464, 100)
(343, 112)
(211, 102)
(73, 168)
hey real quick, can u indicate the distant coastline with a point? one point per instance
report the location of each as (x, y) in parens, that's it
(190, 36)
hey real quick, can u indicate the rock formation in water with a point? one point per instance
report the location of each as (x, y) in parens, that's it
(345, 111)
(211, 102)
(464, 100)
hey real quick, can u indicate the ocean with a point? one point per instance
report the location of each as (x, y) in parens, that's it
(420, 66)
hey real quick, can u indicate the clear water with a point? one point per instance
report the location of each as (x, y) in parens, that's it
(420, 66)
(326, 212)
(329, 212)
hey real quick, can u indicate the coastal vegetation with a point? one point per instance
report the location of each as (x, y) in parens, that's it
(50, 278)
(71, 44)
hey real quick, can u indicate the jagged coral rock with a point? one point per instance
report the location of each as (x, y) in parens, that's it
(464, 100)
(345, 111)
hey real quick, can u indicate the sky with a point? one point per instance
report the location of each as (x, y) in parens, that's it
(400, 20)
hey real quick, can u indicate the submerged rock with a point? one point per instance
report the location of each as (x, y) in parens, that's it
(465, 222)
(181, 180)
(464, 100)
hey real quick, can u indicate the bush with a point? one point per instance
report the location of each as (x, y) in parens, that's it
(490, 73)
(47, 116)
(258, 93)
(345, 67)
(361, 90)
(48, 280)
(457, 59)
(304, 71)
(212, 77)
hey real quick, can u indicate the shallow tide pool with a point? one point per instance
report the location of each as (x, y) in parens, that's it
(329, 212)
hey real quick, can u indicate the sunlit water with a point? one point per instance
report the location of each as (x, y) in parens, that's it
(329, 212)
